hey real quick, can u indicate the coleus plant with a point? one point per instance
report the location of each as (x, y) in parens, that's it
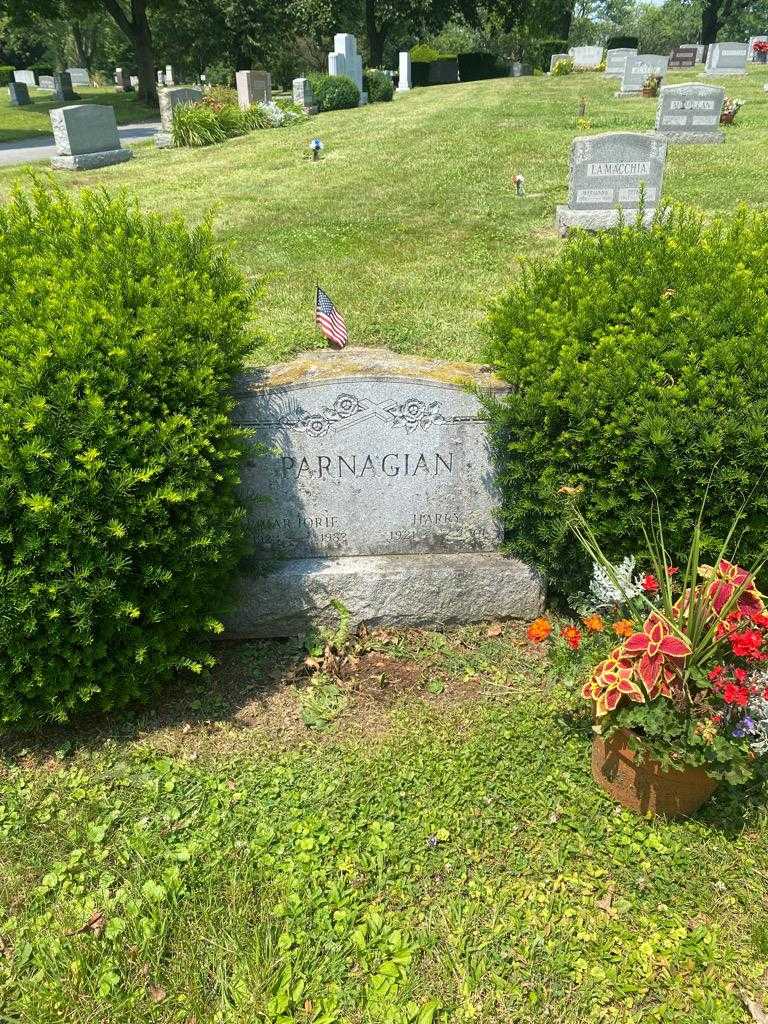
(687, 681)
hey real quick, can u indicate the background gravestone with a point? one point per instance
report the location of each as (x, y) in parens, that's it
(253, 87)
(86, 137)
(19, 94)
(587, 56)
(25, 76)
(682, 57)
(553, 60)
(123, 80)
(373, 484)
(62, 87)
(169, 80)
(303, 95)
(607, 174)
(161, 77)
(167, 100)
(404, 76)
(636, 71)
(79, 76)
(690, 113)
(615, 61)
(46, 82)
(345, 60)
(726, 59)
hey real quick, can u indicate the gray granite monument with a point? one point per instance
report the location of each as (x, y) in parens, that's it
(253, 87)
(587, 56)
(690, 113)
(682, 58)
(404, 77)
(555, 58)
(371, 482)
(62, 88)
(303, 96)
(169, 79)
(345, 60)
(19, 94)
(608, 173)
(726, 59)
(167, 100)
(79, 76)
(26, 76)
(615, 61)
(45, 82)
(637, 70)
(86, 137)
(123, 80)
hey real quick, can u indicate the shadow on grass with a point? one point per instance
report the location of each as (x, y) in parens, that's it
(246, 678)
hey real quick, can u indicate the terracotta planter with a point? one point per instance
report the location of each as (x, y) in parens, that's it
(650, 93)
(647, 787)
(727, 117)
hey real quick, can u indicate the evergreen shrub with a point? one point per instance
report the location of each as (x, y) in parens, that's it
(334, 92)
(636, 361)
(378, 86)
(120, 525)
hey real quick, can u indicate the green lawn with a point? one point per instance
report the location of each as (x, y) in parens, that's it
(438, 853)
(410, 220)
(33, 120)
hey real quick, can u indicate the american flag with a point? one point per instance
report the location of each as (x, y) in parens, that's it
(329, 320)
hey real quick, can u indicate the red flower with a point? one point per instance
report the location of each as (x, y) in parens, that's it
(746, 644)
(672, 570)
(740, 675)
(715, 674)
(656, 643)
(726, 579)
(572, 637)
(738, 695)
(650, 584)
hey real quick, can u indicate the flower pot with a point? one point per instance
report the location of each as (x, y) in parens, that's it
(649, 93)
(727, 117)
(760, 58)
(647, 787)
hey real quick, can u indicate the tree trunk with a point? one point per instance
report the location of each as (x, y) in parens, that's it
(82, 58)
(376, 35)
(563, 22)
(710, 21)
(138, 32)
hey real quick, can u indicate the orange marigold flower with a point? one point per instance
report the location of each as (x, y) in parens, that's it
(623, 627)
(594, 623)
(539, 630)
(572, 636)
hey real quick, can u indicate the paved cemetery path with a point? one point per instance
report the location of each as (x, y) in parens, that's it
(24, 151)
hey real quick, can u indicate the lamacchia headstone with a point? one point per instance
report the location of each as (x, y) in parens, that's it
(345, 60)
(26, 76)
(123, 80)
(682, 58)
(253, 87)
(18, 94)
(79, 76)
(62, 88)
(86, 137)
(587, 56)
(555, 59)
(404, 76)
(726, 59)
(371, 482)
(615, 61)
(638, 69)
(608, 175)
(45, 82)
(690, 113)
(167, 100)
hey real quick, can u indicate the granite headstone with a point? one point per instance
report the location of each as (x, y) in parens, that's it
(608, 174)
(690, 113)
(555, 58)
(303, 95)
(404, 76)
(587, 56)
(167, 99)
(45, 82)
(371, 482)
(62, 88)
(123, 80)
(86, 137)
(638, 69)
(682, 58)
(615, 61)
(79, 76)
(253, 87)
(345, 60)
(18, 94)
(726, 59)
(26, 76)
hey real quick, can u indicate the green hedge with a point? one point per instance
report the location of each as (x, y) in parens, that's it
(478, 65)
(637, 365)
(378, 86)
(120, 525)
(334, 92)
(539, 51)
(6, 74)
(621, 43)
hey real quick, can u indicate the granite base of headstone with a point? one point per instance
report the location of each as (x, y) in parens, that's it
(371, 482)
(609, 175)
(18, 94)
(690, 113)
(86, 137)
(25, 76)
(168, 99)
(253, 87)
(303, 95)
